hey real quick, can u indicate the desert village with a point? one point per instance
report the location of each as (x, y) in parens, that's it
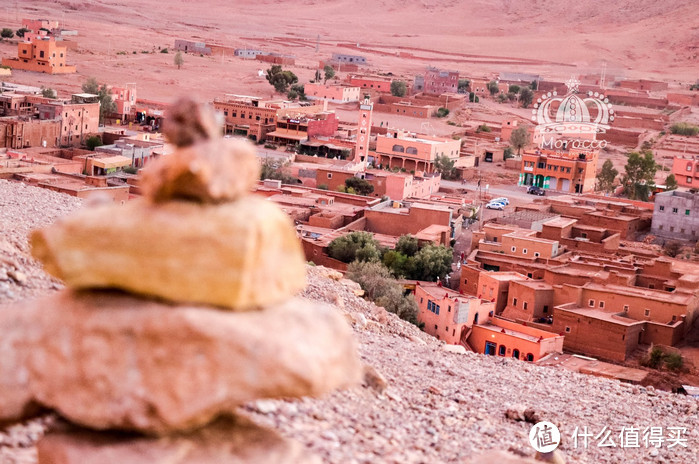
(484, 196)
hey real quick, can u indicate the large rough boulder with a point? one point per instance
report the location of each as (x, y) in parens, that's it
(113, 361)
(238, 255)
(226, 441)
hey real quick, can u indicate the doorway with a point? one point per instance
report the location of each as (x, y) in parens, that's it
(490, 348)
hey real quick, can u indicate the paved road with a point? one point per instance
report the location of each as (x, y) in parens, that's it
(509, 191)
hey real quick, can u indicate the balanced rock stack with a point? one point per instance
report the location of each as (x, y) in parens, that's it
(180, 307)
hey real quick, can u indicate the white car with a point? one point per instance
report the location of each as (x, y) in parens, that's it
(502, 200)
(495, 205)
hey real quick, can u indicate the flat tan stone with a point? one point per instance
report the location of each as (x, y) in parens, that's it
(211, 171)
(226, 441)
(108, 360)
(237, 255)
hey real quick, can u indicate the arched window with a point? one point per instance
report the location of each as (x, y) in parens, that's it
(411, 150)
(501, 350)
(515, 353)
(398, 148)
(530, 357)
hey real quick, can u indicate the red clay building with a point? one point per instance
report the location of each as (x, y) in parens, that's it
(439, 81)
(40, 55)
(572, 171)
(500, 337)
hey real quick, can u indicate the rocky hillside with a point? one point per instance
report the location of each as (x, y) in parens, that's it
(420, 403)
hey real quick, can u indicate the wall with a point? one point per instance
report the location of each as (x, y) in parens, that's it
(31, 133)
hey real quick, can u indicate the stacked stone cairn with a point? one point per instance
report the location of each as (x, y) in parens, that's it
(179, 308)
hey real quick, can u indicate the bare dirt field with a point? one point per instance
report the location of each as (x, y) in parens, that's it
(119, 40)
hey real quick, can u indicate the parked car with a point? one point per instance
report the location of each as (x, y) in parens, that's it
(503, 200)
(495, 205)
(534, 190)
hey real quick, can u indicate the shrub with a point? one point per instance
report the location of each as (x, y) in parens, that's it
(672, 248)
(442, 112)
(323, 187)
(483, 128)
(7, 33)
(674, 361)
(683, 128)
(379, 287)
(162, 50)
(655, 358)
(93, 142)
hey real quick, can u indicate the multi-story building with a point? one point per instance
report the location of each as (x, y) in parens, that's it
(676, 215)
(41, 54)
(124, 98)
(449, 315)
(332, 93)
(437, 82)
(686, 170)
(79, 117)
(572, 171)
(413, 152)
(295, 129)
(249, 116)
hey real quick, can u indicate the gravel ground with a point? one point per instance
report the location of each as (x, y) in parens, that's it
(419, 405)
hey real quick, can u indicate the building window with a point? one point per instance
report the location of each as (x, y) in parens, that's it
(399, 148)
(546, 308)
(330, 175)
(502, 350)
(689, 180)
(601, 304)
(660, 227)
(514, 301)
(674, 210)
(515, 353)
(591, 303)
(536, 254)
(514, 249)
(524, 305)
(662, 208)
(647, 312)
(465, 281)
(524, 251)
(567, 329)
(435, 327)
(626, 308)
(686, 212)
(530, 357)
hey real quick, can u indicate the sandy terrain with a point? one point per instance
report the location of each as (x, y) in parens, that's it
(637, 39)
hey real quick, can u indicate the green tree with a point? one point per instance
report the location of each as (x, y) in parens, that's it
(526, 96)
(358, 245)
(179, 60)
(606, 177)
(445, 166)
(639, 175)
(463, 85)
(502, 98)
(534, 85)
(20, 32)
(274, 170)
(329, 73)
(7, 33)
(93, 142)
(107, 105)
(407, 244)
(513, 89)
(507, 153)
(493, 87)
(300, 91)
(520, 138)
(398, 88)
(671, 182)
(361, 186)
(397, 263)
(292, 94)
(432, 262)
(380, 287)
(280, 79)
(48, 92)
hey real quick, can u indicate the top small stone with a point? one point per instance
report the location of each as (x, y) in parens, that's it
(189, 123)
(205, 167)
